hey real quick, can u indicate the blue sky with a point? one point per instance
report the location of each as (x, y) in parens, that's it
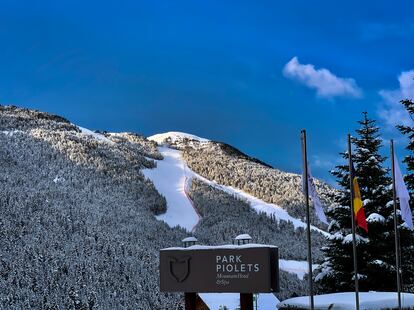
(224, 70)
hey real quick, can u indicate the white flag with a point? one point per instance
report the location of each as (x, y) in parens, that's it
(315, 198)
(403, 195)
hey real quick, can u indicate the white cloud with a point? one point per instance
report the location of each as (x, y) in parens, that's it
(392, 111)
(325, 82)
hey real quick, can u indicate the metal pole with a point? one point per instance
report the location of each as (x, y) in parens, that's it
(397, 248)
(353, 224)
(308, 230)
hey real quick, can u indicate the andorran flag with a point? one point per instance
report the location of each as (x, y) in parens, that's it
(359, 213)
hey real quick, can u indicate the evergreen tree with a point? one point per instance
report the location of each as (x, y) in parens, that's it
(376, 249)
(408, 131)
(406, 235)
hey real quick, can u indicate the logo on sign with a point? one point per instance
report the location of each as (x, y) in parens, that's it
(179, 268)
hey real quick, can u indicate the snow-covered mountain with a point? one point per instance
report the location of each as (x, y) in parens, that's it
(84, 213)
(220, 165)
(181, 185)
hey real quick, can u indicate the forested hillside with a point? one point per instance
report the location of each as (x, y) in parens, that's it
(226, 165)
(77, 226)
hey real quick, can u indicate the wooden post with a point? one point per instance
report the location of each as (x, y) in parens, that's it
(190, 301)
(246, 301)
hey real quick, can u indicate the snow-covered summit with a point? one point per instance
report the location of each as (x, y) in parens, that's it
(174, 137)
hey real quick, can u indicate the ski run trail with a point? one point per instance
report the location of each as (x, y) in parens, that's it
(172, 178)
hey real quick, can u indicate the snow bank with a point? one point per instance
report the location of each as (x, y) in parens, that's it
(345, 301)
(175, 136)
(169, 178)
(232, 300)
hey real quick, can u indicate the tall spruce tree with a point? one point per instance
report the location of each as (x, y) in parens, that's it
(375, 249)
(406, 235)
(408, 131)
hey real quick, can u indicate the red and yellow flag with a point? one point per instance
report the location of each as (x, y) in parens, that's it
(359, 213)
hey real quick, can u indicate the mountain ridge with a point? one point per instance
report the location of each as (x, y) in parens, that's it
(76, 202)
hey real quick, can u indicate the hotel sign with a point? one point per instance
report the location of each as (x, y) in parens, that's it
(237, 269)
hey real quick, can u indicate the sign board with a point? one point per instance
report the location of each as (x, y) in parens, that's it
(222, 269)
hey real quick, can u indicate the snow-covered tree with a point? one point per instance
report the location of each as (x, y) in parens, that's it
(376, 257)
(406, 236)
(408, 131)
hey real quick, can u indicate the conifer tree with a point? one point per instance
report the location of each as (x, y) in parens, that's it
(406, 235)
(408, 131)
(376, 249)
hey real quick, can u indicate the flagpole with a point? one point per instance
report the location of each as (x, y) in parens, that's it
(353, 225)
(397, 248)
(308, 230)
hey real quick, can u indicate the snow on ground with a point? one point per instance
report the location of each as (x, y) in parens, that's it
(232, 301)
(169, 178)
(95, 135)
(260, 206)
(175, 136)
(257, 204)
(300, 268)
(10, 133)
(345, 301)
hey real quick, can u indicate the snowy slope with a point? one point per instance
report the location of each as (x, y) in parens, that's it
(346, 301)
(300, 268)
(175, 136)
(259, 205)
(169, 179)
(95, 135)
(173, 171)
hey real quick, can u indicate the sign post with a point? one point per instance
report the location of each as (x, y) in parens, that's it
(243, 269)
(190, 300)
(246, 301)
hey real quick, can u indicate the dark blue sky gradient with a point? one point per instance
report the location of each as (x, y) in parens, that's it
(211, 68)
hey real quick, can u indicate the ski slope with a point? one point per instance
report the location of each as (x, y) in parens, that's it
(299, 268)
(172, 176)
(174, 168)
(169, 178)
